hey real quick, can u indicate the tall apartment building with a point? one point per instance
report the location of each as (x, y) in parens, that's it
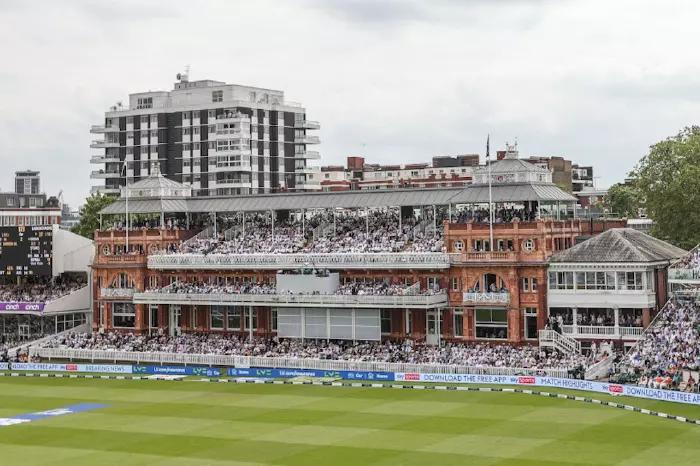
(27, 182)
(221, 139)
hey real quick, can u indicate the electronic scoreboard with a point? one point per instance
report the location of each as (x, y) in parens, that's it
(26, 251)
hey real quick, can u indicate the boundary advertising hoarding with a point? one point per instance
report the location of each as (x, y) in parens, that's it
(49, 367)
(178, 370)
(554, 382)
(290, 373)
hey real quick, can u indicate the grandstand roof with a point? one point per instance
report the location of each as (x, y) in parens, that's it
(472, 194)
(620, 245)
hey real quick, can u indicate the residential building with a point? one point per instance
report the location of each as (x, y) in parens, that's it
(28, 209)
(221, 139)
(444, 171)
(27, 182)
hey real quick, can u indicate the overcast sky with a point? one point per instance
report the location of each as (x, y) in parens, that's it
(395, 81)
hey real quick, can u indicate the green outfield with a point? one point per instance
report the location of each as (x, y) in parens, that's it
(193, 423)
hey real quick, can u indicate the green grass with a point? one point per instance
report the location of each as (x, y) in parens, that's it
(192, 423)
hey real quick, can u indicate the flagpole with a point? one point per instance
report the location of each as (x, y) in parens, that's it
(488, 161)
(126, 188)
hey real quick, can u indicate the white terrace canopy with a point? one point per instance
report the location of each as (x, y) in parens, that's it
(542, 193)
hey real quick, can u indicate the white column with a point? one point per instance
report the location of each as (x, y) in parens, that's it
(575, 321)
(353, 324)
(250, 323)
(617, 320)
(328, 324)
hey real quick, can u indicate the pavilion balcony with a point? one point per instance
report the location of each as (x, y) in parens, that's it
(438, 300)
(684, 276)
(603, 332)
(494, 299)
(345, 261)
(117, 293)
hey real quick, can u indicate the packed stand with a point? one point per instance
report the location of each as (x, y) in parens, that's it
(669, 351)
(474, 355)
(351, 288)
(40, 292)
(345, 233)
(689, 261)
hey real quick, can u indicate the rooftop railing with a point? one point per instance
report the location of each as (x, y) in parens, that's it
(432, 260)
(294, 300)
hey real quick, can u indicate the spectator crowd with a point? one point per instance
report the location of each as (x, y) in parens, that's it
(348, 232)
(350, 288)
(669, 348)
(474, 355)
(40, 291)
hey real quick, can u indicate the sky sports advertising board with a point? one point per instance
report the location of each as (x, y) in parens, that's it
(26, 251)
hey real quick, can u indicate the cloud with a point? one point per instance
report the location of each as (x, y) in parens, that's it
(396, 81)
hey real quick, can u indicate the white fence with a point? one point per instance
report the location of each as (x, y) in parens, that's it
(603, 331)
(289, 363)
(415, 260)
(295, 300)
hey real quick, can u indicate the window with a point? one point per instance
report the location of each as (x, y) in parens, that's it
(217, 96)
(153, 281)
(533, 284)
(217, 319)
(455, 285)
(433, 283)
(123, 315)
(458, 323)
(246, 323)
(153, 316)
(630, 280)
(530, 322)
(525, 284)
(386, 321)
(528, 245)
(144, 102)
(491, 323)
(273, 316)
(458, 245)
(233, 319)
(561, 280)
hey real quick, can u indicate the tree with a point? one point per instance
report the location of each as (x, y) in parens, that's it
(90, 214)
(623, 200)
(668, 179)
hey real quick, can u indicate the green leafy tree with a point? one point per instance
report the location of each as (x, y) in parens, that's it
(668, 179)
(90, 214)
(623, 200)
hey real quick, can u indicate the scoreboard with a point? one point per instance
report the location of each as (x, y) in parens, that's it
(26, 251)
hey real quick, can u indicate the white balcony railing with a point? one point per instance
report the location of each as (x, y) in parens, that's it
(307, 139)
(431, 260)
(486, 298)
(294, 300)
(603, 332)
(103, 144)
(308, 124)
(688, 276)
(118, 293)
